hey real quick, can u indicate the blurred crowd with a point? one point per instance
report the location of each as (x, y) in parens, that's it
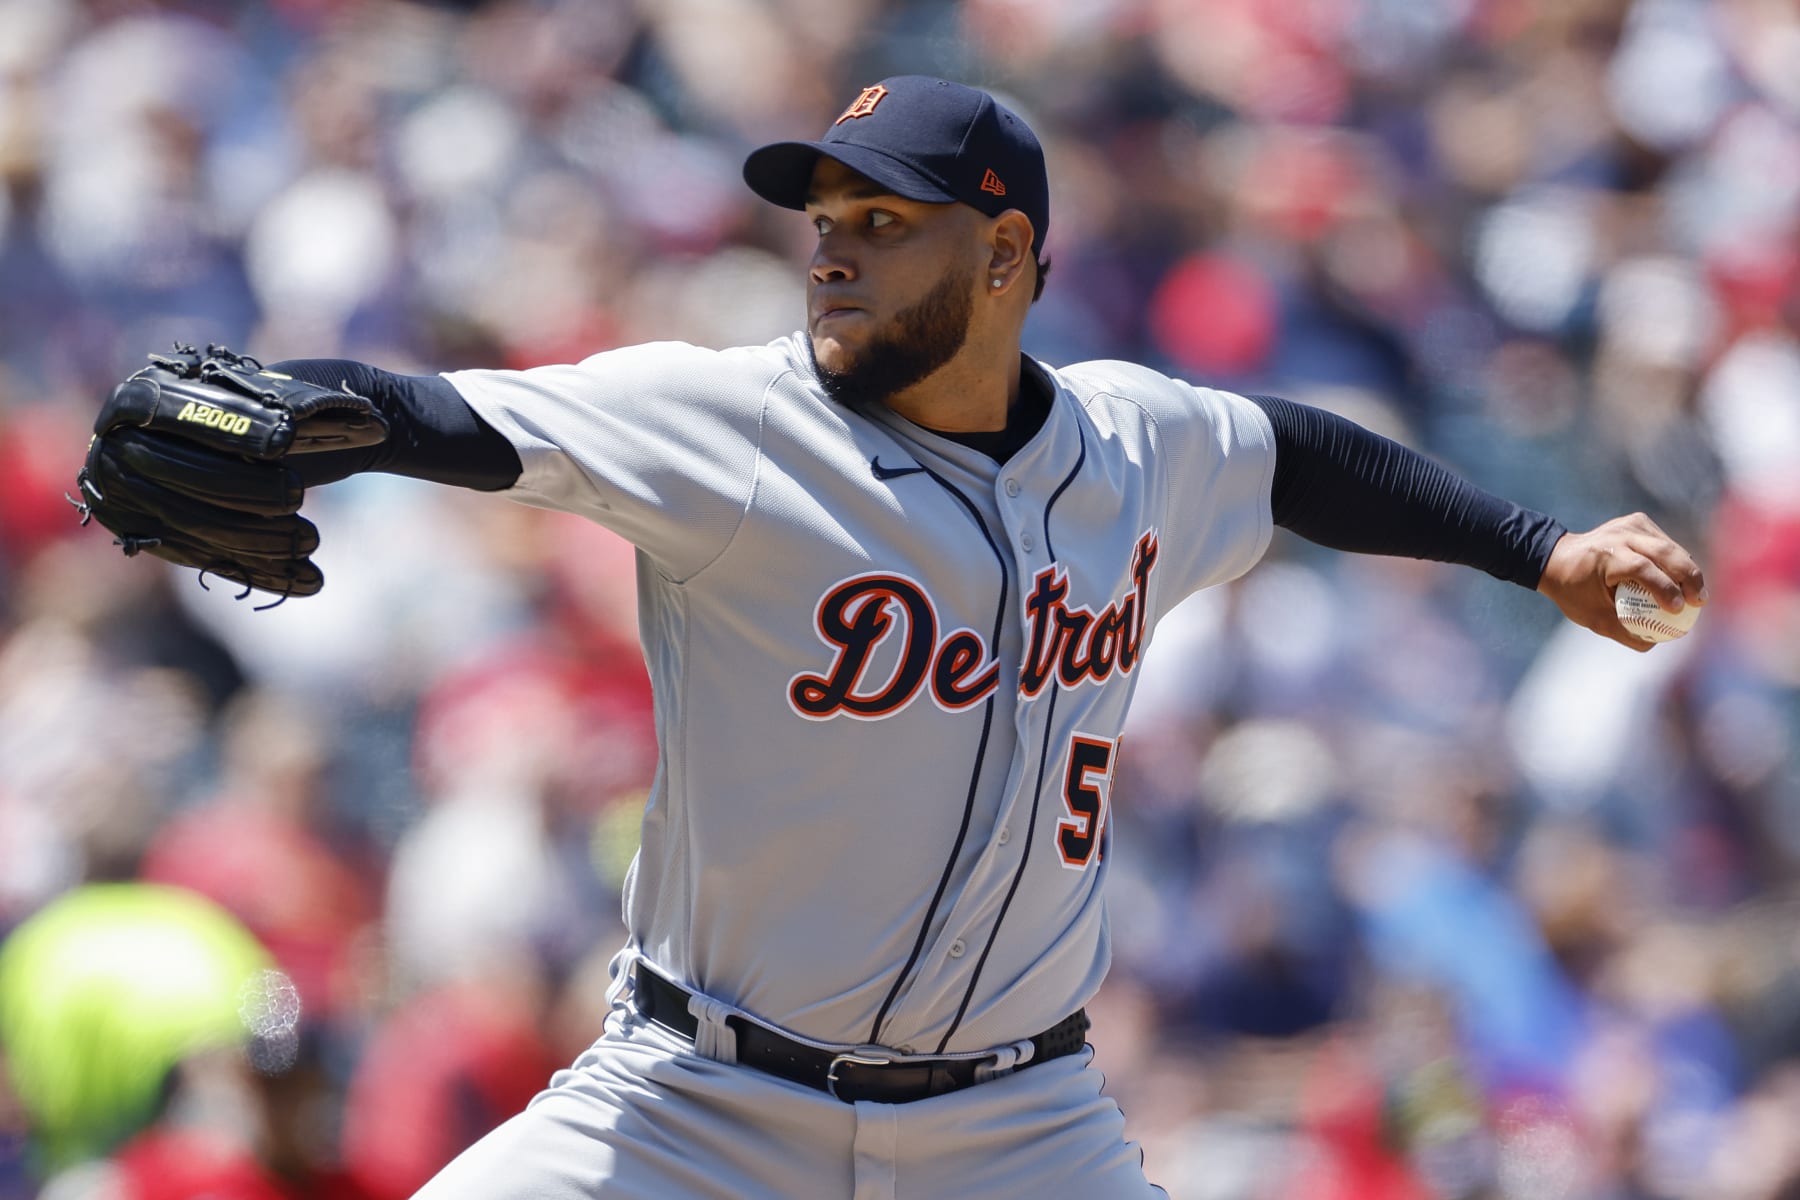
(1420, 894)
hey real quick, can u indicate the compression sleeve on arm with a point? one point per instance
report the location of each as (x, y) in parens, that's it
(433, 433)
(1341, 486)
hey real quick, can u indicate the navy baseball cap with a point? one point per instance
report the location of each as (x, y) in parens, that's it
(925, 139)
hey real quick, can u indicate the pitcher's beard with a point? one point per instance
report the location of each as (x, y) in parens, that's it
(925, 337)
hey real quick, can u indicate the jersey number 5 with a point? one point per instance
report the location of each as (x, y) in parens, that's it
(1087, 792)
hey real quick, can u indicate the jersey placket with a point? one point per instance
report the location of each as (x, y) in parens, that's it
(934, 1001)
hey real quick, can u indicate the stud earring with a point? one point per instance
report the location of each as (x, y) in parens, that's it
(999, 282)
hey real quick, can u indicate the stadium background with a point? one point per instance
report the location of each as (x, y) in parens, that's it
(1417, 894)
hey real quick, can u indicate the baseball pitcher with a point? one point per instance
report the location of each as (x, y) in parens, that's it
(896, 582)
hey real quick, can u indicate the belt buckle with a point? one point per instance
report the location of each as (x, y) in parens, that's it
(855, 1058)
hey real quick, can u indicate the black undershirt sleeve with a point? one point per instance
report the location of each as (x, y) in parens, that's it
(1346, 488)
(432, 432)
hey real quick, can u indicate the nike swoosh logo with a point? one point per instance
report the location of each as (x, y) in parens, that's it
(885, 473)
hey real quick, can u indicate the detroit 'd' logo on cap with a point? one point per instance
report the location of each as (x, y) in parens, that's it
(864, 104)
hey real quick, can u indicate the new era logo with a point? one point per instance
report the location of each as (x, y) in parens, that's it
(990, 182)
(864, 104)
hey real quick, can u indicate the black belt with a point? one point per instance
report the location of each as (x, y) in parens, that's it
(847, 1075)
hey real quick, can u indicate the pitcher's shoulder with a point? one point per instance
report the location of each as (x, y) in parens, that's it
(1112, 381)
(699, 366)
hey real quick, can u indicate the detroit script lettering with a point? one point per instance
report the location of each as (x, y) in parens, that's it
(1064, 643)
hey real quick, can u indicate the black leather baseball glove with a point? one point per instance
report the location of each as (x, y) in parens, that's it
(186, 464)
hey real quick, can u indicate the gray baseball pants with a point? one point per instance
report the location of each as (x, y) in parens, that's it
(642, 1116)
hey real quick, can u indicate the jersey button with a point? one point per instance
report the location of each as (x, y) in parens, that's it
(1029, 542)
(1005, 835)
(1012, 487)
(957, 948)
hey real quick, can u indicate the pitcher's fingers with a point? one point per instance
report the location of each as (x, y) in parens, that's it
(1673, 561)
(1630, 565)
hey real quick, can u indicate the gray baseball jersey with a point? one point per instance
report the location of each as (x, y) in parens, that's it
(890, 675)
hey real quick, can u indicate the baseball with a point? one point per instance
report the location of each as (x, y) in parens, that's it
(1643, 616)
